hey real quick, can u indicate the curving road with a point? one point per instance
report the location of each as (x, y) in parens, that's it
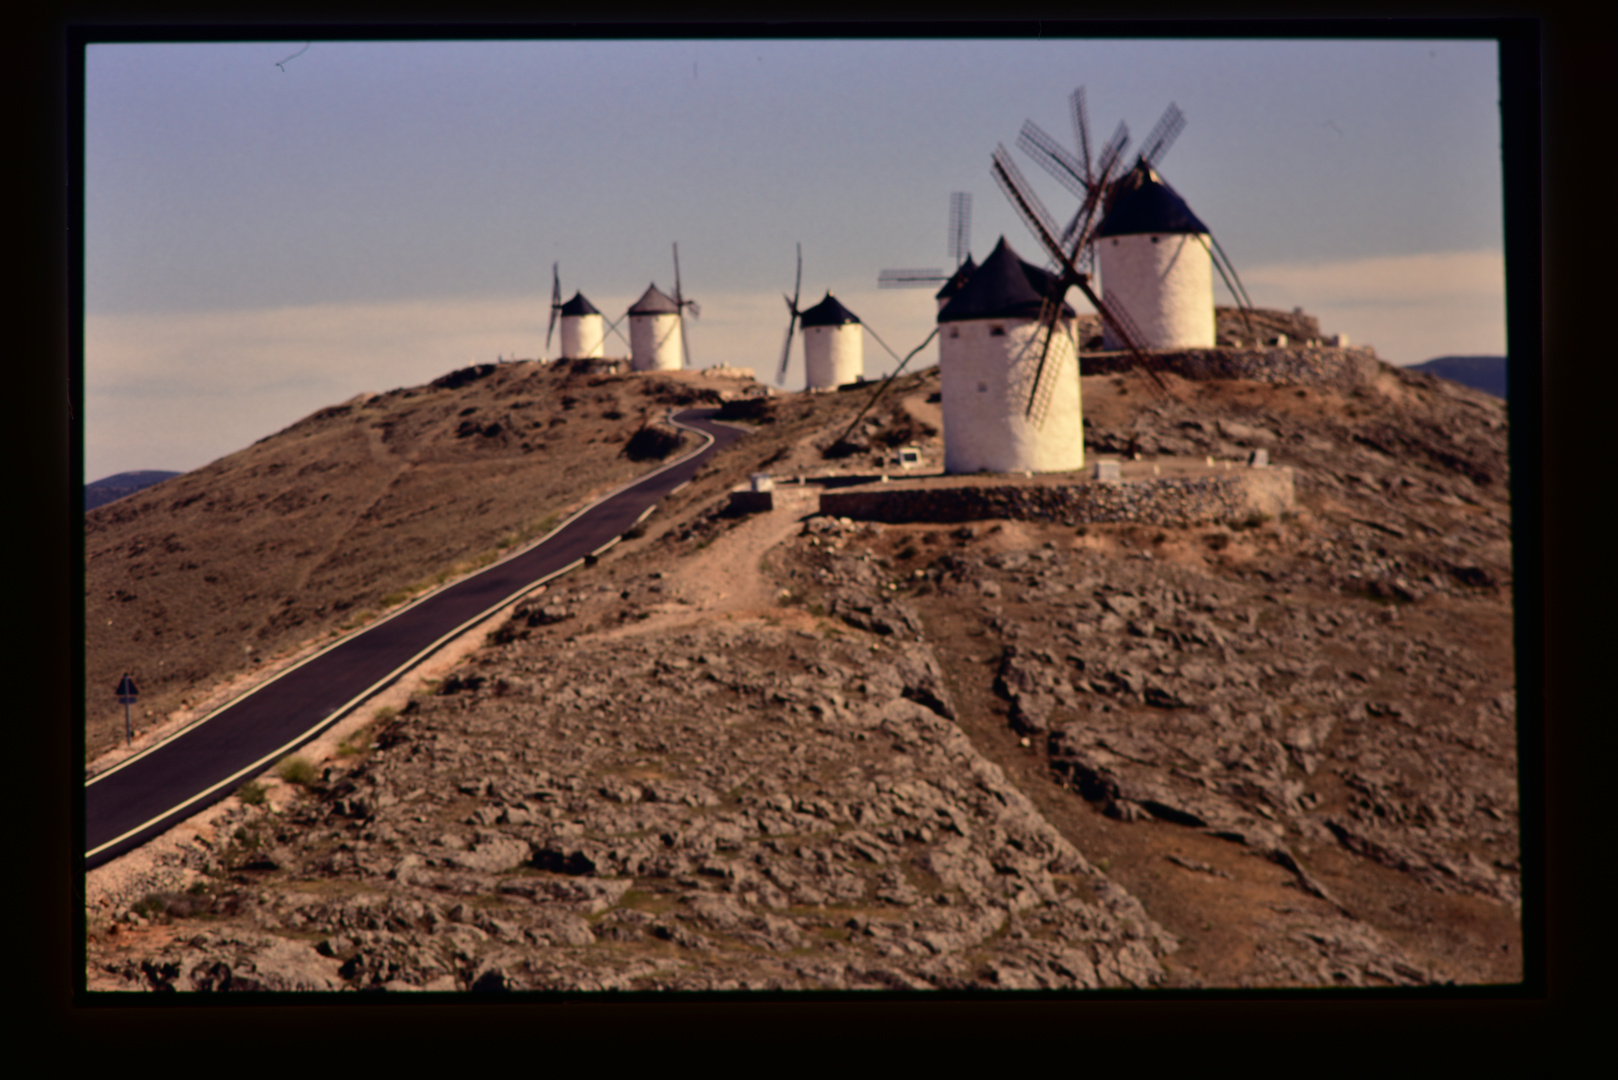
(151, 792)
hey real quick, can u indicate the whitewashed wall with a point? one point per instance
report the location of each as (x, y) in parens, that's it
(582, 336)
(654, 343)
(986, 381)
(1166, 287)
(833, 355)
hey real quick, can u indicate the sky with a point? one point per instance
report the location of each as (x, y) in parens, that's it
(274, 227)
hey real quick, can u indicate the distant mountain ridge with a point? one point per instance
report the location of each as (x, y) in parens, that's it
(117, 486)
(1486, 373)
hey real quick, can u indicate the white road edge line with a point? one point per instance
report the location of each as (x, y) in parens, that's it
(346, 638)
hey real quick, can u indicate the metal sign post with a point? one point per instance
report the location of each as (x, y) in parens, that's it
(128, 694)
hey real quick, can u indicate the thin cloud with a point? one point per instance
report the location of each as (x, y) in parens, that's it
(179, 390)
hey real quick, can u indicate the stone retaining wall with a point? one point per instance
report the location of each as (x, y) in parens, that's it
(1322, 364)
(1167, 501)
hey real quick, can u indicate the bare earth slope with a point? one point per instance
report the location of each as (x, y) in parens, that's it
(348, 512)
(1010, 754)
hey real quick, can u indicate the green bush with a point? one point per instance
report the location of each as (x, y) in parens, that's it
(298, 770)
(252, 793)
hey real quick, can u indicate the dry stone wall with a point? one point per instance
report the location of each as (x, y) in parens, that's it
(1317, 364)
(1167, 501)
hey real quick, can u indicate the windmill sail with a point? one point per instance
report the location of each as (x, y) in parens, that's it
(792, 320)
(681, 303)
(556, 302)
(960, 249)
(910, 279)
(1162, 136)
(1039, 222)
(960, 226)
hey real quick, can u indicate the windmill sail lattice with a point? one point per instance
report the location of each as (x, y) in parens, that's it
(681, 302)
(960, 249)
(793, 314)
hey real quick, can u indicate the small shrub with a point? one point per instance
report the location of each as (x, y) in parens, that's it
(653, 442)
(842, 449)
(356, 744)
(252, 793)
(298, 770)
(150, 906)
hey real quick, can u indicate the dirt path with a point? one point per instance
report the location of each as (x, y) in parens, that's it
(727, 579)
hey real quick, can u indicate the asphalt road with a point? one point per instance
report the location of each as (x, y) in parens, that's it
(151, 792)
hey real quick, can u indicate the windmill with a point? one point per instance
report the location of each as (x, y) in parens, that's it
(1145, 282)
(960, 252)
(582, 333)
(1006, 335)
(833, 344)
(833, 339)
(655, 341)
(1079, 233)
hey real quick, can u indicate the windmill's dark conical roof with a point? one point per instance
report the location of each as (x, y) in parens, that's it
(1041, 279)
(579, 306)
(1152, 207)
(1004, 287)
(953, 285)
(829, 312)
(654, 301)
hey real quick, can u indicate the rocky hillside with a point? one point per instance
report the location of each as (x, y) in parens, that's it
(351, 511)
(788, 751)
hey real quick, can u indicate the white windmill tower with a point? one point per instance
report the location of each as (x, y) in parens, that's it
(1156, 264)
(833, 345)
(655, 341)
(1001, 336)
(583, 334)
(833, 340)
